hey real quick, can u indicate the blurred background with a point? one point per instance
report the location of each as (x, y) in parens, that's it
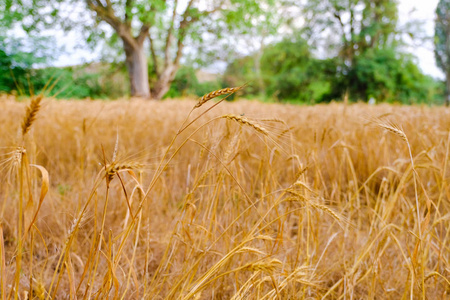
(296, 51)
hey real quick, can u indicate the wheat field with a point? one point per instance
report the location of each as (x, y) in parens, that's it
(218, 200)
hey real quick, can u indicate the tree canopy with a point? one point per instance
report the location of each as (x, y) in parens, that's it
(160, 29)
(352, 26)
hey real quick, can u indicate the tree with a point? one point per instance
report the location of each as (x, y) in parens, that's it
(161, 28)
(359, 25)
(17, 57)
(442, 42)
(19, 54)
(355, 30)
(285, 66)
(145, 12)
(386, 75)
(367, 43)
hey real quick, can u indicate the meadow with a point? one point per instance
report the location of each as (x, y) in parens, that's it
(219, 200)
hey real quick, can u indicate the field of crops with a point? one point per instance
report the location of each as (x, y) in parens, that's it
(133, 199)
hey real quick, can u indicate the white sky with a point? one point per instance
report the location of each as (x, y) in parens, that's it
(422, 10)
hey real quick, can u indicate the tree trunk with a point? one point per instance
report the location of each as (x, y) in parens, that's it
(165, 79)
(137, 67)
(259, 76)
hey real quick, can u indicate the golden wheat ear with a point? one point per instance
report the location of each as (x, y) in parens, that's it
(30, 114)
(218, 93)
(244, 121)
(387, 125)
(393, 128)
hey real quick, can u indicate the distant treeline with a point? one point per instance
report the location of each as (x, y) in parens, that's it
(289, 72)
(284, 71)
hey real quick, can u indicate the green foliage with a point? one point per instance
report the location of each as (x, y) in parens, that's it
(363, 46)
(79, 82)
(385, 75)
(186, 84)
(96, 81)
(166, 26)
(240, 71)
(378, 24)
(206, 87)
(8, 70)
(368, 61)
(183, 84)
(17, 57)
(359, 24)
(289, 72)
(9, 15)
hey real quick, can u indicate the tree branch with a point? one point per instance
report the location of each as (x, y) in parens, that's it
(184, 26)
(99, 3)
(106, 13)
(143, 33)
(108, 4)
(128, 15)
(169, 38)
(154, 57)
(217, 8)
(338, 17)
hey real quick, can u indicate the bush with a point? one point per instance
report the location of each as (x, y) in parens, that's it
(288, 71)
(387, 75)
(241, 71)
(186, 84)
(183, 84)
(14, 63)
(96, 81)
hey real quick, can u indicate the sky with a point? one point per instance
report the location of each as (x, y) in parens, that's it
(422, 10)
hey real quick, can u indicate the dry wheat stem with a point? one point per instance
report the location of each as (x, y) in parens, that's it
(297, 232)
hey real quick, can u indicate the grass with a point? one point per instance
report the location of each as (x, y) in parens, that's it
(180, 200)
